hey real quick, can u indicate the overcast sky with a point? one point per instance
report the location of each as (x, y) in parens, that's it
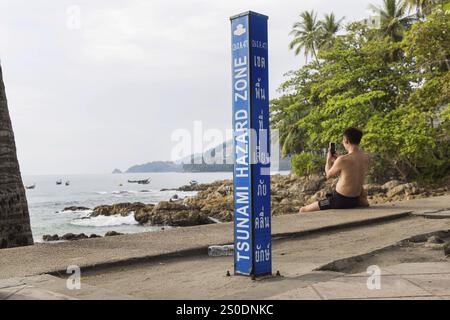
(110, 93)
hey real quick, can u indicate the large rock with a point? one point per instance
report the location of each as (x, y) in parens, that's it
(123, 209)
(143, 214)
(48, 237)
(319, 195)
(167, 213)
(313, 183)
(373, 189)
(194, 187)
(391, 184)
(177, 215)
(75, 208)
(403, 189)
(113, 233)
(72, 237)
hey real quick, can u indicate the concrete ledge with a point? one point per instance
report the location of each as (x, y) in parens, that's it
(342, 264)
(437, 214)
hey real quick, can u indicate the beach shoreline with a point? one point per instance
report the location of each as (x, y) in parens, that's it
(146, 260)
(209, 203)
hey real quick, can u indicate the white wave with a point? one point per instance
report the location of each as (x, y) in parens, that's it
(80, 213)
(105, 221)
(83, 213)
(125, 192)
(102, 192)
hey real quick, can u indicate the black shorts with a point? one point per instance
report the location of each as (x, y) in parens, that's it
(336, 200)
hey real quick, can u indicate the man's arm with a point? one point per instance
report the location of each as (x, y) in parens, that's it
(332, 169)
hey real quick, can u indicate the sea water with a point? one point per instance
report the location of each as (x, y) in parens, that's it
(47, 201)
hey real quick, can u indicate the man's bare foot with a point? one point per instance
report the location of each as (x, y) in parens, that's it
(302, 210)
(309, 208)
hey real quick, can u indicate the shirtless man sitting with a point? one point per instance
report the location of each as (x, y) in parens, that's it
(351, 169)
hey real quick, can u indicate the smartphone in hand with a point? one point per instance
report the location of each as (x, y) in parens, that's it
(332, 148)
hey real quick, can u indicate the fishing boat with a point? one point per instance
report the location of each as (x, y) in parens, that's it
(146, 181)
(58, 182)
(67, 183)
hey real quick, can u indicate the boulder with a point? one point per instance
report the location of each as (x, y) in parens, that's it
(319, 195)
(123, 209)
(373, 189)
(194, 187)
(47, 237)
(181, 218)
(403, 189)
(167, 205)
(75, 208)
(391, 184)
(313, 183)
(68, 237)
(72, 237)
(113, 233)
(142, 214)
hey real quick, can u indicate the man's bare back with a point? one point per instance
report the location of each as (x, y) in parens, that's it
(353, 169)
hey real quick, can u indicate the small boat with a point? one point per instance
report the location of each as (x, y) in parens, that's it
(67, 183)
(193, 182)
(58, 182)
(31, 187)
(146, 181)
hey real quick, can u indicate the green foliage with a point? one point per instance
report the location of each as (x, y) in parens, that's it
(429, 42)
(307, 163)
(397, 92)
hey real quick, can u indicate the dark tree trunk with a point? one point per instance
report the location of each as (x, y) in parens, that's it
(15, 227)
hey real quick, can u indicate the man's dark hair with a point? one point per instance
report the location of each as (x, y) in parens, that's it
(353, 135)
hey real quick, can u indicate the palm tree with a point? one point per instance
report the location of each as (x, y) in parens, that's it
(307, 33)
(330, 27)
(422, 7)
(14, 218)
(392, 18)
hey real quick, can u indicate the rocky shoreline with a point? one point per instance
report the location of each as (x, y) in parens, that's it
(72, 237)
(213, 202)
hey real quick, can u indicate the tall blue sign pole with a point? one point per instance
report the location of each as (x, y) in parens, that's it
(252, 220)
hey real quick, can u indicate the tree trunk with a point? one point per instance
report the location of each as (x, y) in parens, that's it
(15, 227)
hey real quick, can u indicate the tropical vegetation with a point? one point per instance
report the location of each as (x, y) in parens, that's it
(391, 80)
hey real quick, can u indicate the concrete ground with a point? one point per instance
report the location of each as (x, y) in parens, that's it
(418, 281)
(174, 263)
